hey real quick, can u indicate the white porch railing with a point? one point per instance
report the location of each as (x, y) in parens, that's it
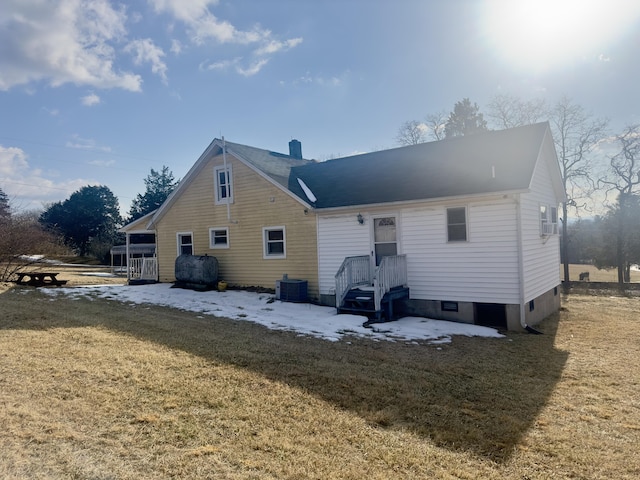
(392, 272)
(354, 271)
(144, 268)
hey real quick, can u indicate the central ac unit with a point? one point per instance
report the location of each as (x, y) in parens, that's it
(291, 290)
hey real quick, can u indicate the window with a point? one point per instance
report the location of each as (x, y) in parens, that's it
(219, 237)
(548, 220)
(224, 192)
(274, 242)
(185, 243)
(457, 224)
(449, 306)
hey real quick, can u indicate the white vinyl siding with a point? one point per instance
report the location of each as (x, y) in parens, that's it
(540, 254)
(339, 237)
(483, 269)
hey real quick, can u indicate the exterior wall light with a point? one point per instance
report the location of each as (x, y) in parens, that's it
(360, 219)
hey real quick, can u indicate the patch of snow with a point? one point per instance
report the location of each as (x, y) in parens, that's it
(261, 308)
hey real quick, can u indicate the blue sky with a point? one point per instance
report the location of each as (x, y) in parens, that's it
(98, 92)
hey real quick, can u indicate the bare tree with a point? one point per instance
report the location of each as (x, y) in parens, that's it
(436, 123)
(508, 111)
(412, 132)
(22, 240)
(624, 181)
(576, 135)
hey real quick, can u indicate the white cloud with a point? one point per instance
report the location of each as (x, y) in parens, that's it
(252, 69)
(68, 41)
(102, 163)
(90, 100)
(202, 26)
(26, 184)
(274, 46)
(176, 47)
(85, 144)
(235, 64)
(145, 51)
(13, 160)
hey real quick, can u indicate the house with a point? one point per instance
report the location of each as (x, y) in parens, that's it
(234, 204)
(463, 229)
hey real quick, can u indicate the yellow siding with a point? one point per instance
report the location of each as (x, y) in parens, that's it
(257, 204)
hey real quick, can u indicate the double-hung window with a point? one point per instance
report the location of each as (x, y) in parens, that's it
(185, 243)
(224, 190)
(548, 220)
(219, 237)
(274, 240)
(457, 224)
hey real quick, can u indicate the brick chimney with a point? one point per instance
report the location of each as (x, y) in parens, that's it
(295, 149)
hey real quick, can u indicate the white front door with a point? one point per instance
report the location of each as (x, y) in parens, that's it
(385, 241)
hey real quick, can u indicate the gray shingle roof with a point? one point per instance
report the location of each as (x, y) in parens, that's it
(483, 163)
(274, 164)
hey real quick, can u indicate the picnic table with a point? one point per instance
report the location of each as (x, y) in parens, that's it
(39, 279)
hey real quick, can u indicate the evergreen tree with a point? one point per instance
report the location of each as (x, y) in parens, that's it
(90, 214)
(465, 119)
(5, 208)
(159, 186)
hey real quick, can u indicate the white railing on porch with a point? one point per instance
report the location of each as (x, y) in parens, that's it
(392, 272)
(145, 268)
(356, 271)
(353, 272)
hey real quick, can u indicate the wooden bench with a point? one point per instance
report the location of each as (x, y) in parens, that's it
(39, 279)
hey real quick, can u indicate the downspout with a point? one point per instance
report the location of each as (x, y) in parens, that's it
(520, 260)
(226, 176)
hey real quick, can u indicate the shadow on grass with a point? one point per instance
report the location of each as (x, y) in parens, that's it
(476, 394)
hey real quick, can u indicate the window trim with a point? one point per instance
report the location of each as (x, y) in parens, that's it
(220, 200)
(547, 214)
(466, 224)
(212, 244)
(265, 242)
(179, 244)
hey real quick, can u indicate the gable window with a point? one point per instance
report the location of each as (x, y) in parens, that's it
(274, 242)
(224, 192)
(548, 220)
(219, 237)
(457, 224)
(185, 243)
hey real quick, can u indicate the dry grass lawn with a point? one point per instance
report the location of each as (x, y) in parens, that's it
(104, 390)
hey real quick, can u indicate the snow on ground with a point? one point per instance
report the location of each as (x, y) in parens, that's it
(262, 308)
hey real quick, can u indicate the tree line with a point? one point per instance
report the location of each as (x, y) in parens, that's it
(600, 171)
(85, 224)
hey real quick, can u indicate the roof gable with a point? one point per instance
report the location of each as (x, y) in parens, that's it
(490, 162)
(272, 166)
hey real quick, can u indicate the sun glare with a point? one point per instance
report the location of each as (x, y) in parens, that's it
(540, 35)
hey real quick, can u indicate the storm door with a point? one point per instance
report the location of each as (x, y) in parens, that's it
(384, 237)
